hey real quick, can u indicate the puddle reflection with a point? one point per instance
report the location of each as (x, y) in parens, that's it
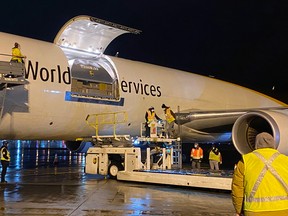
(33, 154)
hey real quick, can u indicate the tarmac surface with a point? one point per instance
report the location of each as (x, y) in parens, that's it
(38, 186)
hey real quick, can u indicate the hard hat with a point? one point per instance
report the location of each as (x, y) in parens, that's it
(151, 108)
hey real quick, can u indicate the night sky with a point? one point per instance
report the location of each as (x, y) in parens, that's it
(243, 42)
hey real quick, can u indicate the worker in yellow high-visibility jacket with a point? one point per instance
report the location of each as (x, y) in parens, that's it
(260, 180)
(5, 159)
(215, 158)
(170, 120)
(150, 116)
(16, 54)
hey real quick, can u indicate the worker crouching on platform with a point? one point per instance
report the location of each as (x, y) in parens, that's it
(196, 156)
(260, 180)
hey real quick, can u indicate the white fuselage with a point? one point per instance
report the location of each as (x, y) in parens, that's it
(45, 114)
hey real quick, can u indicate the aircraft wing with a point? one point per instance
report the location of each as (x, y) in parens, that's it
(211, 125)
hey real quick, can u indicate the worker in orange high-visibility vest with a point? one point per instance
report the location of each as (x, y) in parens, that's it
(196, 156)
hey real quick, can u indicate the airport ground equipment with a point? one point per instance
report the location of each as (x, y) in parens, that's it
(155, 159)
(111, 160)
(11, 74)
(151, 165)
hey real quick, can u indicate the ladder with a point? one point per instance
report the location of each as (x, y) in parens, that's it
(177, 154)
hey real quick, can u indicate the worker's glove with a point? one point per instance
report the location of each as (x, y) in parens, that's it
(220, 162)
(199, 161)
(191, 159)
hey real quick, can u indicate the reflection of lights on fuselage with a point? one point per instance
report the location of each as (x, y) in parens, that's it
(52, 91)
(90, 51)
(225, 136)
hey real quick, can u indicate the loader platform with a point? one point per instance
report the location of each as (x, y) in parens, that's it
(199, 179)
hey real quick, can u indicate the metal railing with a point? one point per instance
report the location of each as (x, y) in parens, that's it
(109, 118)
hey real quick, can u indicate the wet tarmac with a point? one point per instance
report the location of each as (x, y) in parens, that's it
(38, 186)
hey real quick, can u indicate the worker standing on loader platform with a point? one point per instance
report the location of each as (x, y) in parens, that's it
(150, 116)
(170, 120)
(196, 156)
(16, 54)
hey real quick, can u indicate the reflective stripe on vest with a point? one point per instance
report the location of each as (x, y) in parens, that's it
(197, 153)
(5, 155)
(169, 116)
(270, 199)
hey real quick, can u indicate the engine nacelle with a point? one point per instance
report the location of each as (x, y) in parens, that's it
(247, 126)
(78, 146)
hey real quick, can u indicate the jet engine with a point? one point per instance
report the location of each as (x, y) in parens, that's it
(247, 126)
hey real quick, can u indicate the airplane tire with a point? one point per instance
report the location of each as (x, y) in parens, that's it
(114, 168)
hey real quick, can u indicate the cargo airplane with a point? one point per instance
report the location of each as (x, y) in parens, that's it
(61, 85)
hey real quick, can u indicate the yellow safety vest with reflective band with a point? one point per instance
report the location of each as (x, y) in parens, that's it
(16, 55)
(5, 155)
(169, 116)
(265, 180)
(151, 116)
(213, 156)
